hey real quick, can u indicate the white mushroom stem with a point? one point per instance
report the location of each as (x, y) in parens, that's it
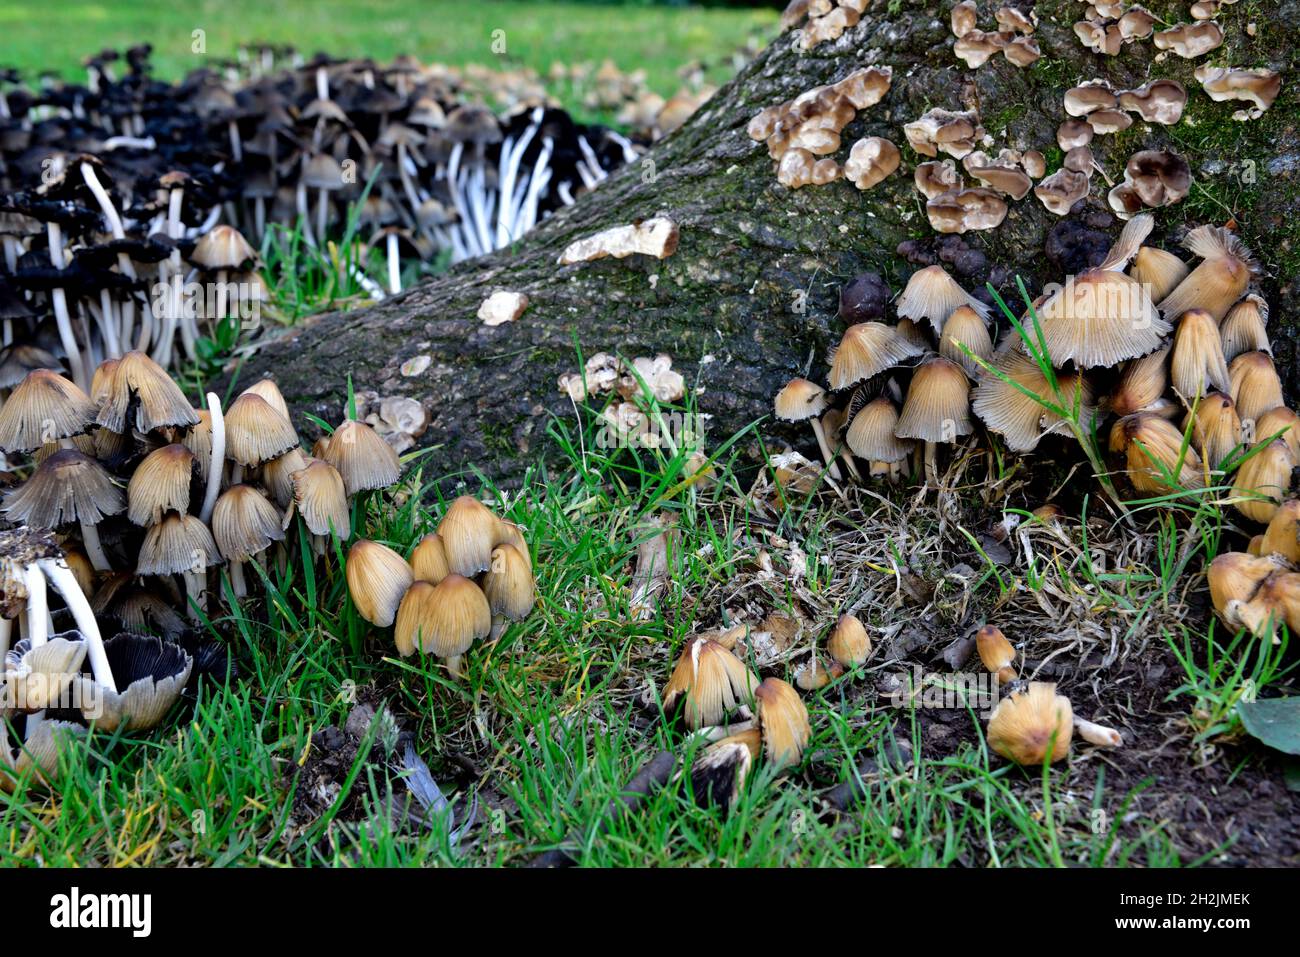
(217, 460)
(94, 548)
(237, 582)
(827, 457)
(6, 636)
(196, 593)
(456, 666)
(123, 260)
(932, 464)
(394, 266)
(62, 317)
(38, 606)
(61, 578)
(720, 731)
(1098, 734)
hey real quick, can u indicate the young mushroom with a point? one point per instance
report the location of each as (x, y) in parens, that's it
(803, 401)
(244, 524)
(782, 721)
(443, 620)
(1033, 726)
(936, 409)
(181, 545)
(848, 643)
(377, 579)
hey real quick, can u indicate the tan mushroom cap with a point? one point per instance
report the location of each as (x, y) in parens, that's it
(160, 484)
(1259, 87)
(936, 177)
(377, 578)
(468, 531)
(362, 457)
(1023, 52)
(1159, 101)
(1155, 458)
(1197, 365)
(269, 391)
(799, 400)
(159, 401)
(1141, 383)
(256, 432)
(1001, 177)
(937, 405)
(712, 681)
(1219, 280)
(1280, 423)
(1089, 97)
(1159, 270)
(975, 47)
(962, 18)
(954, 133)
(1099, 37)
(1011, 20)
(321, 499)
(1245, 328)
(1022, 420)
(508, 583)
(1109, 121)
(244, 523)
(932, 294)
(871, 434)
(1033, 726)
(429, 559)
(870, 161)
(66, 487)
(849, 644)
(222, 247)
(1190, 40)
(867, 349)
(1137, 23)
(1254, 384)
(1060, 191)
(965, 338)
(1073, 133)
(783, 721)
(1216, 428)
(43, 408)
(277, 475)
(1263, 481)
(443, 620)
(179, 543)
(966, 210)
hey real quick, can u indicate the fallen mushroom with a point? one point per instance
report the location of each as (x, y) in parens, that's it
(1032, 726)
(655, 237)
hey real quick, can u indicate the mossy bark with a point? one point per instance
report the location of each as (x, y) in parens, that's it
(753, 286)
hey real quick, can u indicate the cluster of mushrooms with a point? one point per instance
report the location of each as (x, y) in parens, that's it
(803, 134)
(461, 583)
(1175, 352)
(133, 503)
(117, 195)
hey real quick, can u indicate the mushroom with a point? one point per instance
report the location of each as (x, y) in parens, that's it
(1032, 726)
(783, 722)
(954, 133)
(975, 47)
(1198, 364)
(1190, 40)
(1103, 316)
(1000, 176)
(962, 18)
(151, 672)
(655, 237)
(871, 433)
(1280, 423)
(803, 401)
(1244, 329)
(222, 249)
(1109, 121)
(1259, 87)
(1072, 134)
(936, 177)
(1255, 385)
(870, 161)
(244, 524)
(1282, 536)
(255, 433)
(1160, 271)
(508, 583)
(363, 459)
(1090, 97)
(1156, 459)
(429, 559)
(468, 531)
(160, 484)
(965, 339)
(1011, 20)
(996, 653)
(321, 500)
(1061, 190)
(936, 409)
(502, 307)
(1216, 428)
(1159, 101)
(68, 487)
(932, 294)
(139, 383)
(1221, 278)
(377, 578)
(1099, 37)
(1161, 178)
(712, 681)
(849, 643)
(1137, 23)
(1263, 480)
(1234, 578)
(867, 349)
(718, 775)
(443, 620)
(181, 544)
(1276, 602)
(1011, 400)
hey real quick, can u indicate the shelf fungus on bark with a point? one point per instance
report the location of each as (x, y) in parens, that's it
(502, 307)
(1190, 40)
(656, 237)
(870, 161)
(938, 130)
(1258, 87)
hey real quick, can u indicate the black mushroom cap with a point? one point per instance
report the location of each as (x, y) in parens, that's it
(864, 298)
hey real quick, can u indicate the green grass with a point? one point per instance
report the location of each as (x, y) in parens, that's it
(659, 40)
(550, 719)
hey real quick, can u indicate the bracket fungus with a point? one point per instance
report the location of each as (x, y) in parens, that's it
(502, 307)
(1258, 87)
(936, 130)
(870, 161)
(656, 237)
(1190, 40)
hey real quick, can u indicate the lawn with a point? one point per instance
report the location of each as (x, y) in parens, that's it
(659, 40)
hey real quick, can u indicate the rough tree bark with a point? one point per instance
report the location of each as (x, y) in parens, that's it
(755, 279)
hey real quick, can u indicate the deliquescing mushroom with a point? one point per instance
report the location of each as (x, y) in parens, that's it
(462, 583)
